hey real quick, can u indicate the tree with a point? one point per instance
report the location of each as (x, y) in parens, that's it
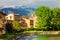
(48, 18)
(43, 13)
(16, 25)
(9, 27)
(56, 18)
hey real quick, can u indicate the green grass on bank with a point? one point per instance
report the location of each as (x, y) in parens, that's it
(51, 35)
(8, 35)
(48, 37)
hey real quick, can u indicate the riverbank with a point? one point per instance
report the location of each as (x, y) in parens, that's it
(35, 33)
(9, 35)
(14, 36)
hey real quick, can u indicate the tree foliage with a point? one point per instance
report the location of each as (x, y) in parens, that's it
(9, 27)
(56, 18)
(48, 18)
(16, 25)
(43, 14)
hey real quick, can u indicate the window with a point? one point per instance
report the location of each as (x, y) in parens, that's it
(10, 17)
(31, 22)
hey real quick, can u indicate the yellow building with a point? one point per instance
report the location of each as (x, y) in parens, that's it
(33, 20)
(28, 22)
(25, 23)
(12, 17)
(2, 23)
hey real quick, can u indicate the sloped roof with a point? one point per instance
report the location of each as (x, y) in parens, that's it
(2, 13)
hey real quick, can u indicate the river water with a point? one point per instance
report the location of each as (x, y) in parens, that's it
(38, 38)
(28, 38)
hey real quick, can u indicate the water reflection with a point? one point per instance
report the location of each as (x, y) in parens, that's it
(28, 38)
(39, 38)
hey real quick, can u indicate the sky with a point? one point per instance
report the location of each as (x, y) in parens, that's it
(30, 3)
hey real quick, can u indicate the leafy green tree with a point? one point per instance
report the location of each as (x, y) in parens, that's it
(16, 25)
(43, 13)
(55, 21)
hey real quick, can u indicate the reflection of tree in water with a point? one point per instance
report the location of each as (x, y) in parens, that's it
(9, 28)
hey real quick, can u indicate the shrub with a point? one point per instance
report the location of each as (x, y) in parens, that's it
(16, 25)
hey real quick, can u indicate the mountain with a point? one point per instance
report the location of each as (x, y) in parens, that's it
(19, 10)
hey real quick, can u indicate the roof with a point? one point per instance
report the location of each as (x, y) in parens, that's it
(16, 14)
(2, 13)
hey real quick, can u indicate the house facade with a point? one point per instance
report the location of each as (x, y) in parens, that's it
(2, 23)
(12, 17)
(33, 20)
(24, 22)
(29, 22)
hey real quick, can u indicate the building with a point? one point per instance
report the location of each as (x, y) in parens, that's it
(2, 23)
(12, 17)
(33, 20)
(26, 22)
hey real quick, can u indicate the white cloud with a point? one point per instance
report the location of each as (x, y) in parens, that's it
(20, 2)
(15, 2)
(8, 3)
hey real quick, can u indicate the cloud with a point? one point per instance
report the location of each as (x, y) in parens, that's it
(20, 2)
(9, 3)
(15, 2)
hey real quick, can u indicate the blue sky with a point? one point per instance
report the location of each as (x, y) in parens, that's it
(30, 3)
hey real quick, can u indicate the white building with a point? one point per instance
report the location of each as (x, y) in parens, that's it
(12, 16)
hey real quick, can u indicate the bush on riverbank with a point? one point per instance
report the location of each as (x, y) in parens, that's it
(9, 35)
(16, 25)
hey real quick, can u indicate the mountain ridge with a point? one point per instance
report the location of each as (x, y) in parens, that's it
(20, 10)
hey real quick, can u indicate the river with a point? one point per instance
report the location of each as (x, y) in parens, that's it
(39, 38)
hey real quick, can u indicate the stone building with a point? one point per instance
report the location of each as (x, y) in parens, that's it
(2, 23)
